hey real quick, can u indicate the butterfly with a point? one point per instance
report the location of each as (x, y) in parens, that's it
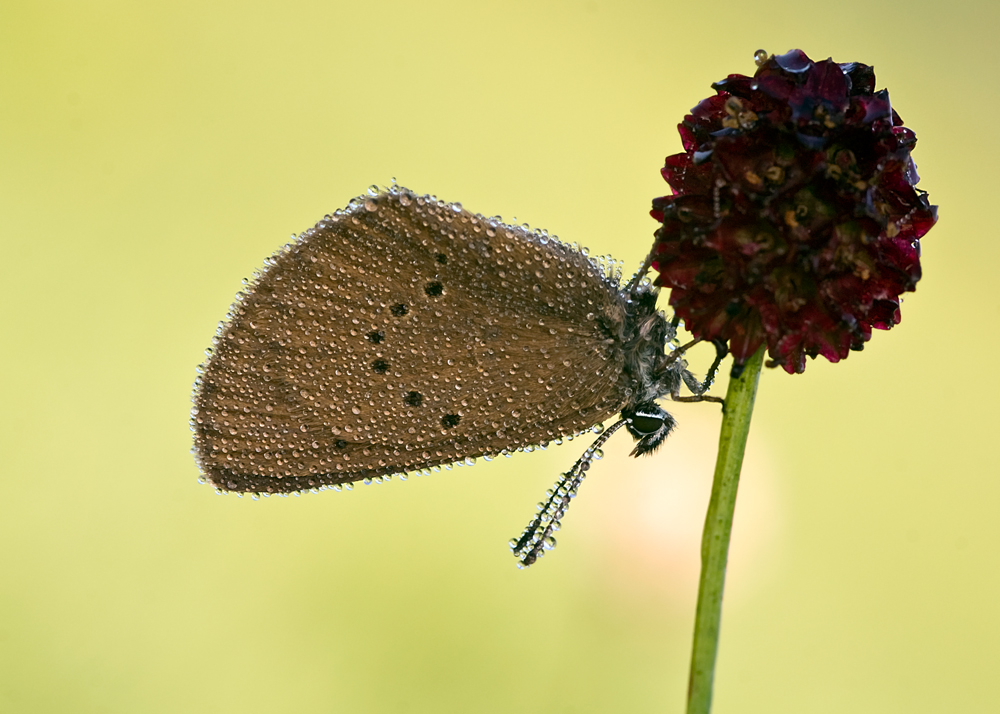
(404, 333)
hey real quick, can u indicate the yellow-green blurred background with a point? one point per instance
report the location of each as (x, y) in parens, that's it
(152, 154)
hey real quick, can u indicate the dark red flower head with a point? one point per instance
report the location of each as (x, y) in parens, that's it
(794, 220)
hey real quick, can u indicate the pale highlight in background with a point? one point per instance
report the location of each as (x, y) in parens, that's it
(642, 518)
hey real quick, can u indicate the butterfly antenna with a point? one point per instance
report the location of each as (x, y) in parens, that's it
(537, 537)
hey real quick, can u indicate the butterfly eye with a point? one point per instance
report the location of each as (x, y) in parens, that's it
(644, 424)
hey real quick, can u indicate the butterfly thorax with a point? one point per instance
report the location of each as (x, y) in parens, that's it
(646, 333)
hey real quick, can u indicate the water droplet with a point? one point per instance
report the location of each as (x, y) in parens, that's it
(760, 57)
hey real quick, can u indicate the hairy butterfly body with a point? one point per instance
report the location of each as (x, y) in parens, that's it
(405, 333)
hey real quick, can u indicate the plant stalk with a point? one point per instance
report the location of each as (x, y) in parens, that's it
(718, 527)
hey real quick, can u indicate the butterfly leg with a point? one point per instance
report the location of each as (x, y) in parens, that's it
(633, 284)
(697, 388)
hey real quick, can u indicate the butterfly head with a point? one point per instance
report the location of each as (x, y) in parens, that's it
(649, 425)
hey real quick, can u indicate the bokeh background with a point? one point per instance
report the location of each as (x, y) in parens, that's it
(152, 154)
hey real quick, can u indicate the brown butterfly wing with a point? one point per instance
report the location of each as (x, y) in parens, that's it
(402, 334)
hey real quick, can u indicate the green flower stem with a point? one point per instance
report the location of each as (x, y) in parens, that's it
(718, 526)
